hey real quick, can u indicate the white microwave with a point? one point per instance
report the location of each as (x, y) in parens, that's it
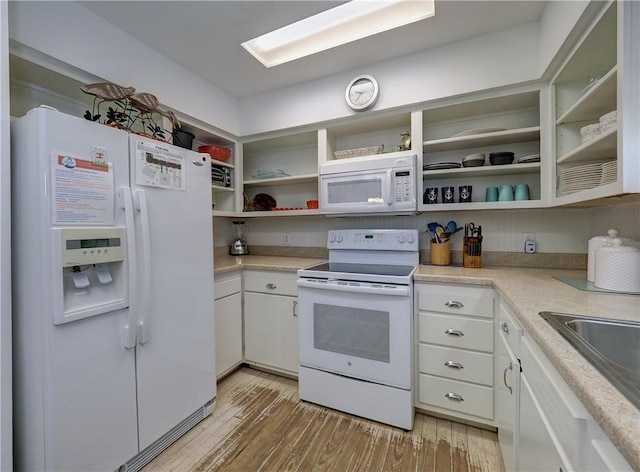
(371, 184)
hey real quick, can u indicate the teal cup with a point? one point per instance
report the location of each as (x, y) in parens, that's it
(491, 194)
(505, 194)
(521, 192)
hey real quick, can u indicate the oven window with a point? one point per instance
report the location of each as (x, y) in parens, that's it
(355, 191)
(352, 331)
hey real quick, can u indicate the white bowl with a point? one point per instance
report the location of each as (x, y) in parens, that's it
(474, 157)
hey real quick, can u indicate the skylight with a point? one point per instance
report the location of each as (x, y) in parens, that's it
(340, 25)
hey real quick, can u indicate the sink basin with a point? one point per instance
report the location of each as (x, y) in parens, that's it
(611, 346)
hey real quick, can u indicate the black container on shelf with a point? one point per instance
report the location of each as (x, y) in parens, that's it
(182, 138)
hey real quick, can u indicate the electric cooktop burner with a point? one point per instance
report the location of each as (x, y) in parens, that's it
(365, 269)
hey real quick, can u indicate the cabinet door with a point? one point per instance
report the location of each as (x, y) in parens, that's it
(507, 391)
(537, 445)
(228, 314)
(271, 331)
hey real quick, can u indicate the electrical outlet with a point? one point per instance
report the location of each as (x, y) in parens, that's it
(529, 242)
(286, 239)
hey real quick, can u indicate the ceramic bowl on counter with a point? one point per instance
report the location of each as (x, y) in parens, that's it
(501, 158)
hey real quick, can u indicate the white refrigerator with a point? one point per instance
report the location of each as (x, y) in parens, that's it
(112, 260)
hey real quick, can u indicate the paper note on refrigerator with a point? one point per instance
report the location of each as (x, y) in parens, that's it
(160, 166)
(82, 191)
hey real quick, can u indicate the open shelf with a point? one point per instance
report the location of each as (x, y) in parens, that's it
(594, 103)
(487, 139)
(289, 180)
(603, 147)
(510, 169)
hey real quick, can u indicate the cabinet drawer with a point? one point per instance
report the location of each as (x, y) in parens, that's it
(456, 331)
(462, 300)
(474, 399)
(224, 288)
(271, 282)
(456, 364)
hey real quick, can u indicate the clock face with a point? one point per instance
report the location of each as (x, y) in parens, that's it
(362, 92)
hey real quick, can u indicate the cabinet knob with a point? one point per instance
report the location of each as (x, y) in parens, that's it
(505, 327)
(271, 286)
(454, 396)
(454, 332)
(454, 365)
(454, 304)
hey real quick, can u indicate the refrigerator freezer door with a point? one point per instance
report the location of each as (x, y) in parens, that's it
(175, 351)
(74, 384)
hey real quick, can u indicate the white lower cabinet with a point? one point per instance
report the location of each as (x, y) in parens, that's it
(228, 319)
(271, 321)
(507, 385)
(543, 426)
(455, 351)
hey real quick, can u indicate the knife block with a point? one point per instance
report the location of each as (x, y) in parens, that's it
(472, 253)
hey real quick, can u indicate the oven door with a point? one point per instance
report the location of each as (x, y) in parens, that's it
(357, 330)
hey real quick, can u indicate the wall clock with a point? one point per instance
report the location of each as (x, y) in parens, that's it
(362, 92)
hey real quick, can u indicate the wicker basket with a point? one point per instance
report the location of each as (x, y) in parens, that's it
(365, 151)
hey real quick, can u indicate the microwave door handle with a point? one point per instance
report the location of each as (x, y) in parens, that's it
(391, 186)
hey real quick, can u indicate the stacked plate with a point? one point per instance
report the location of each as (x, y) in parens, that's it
(609, 172)
(442, 165)
(608, 121)
(589, 132)
(528, 159)
(580, 178)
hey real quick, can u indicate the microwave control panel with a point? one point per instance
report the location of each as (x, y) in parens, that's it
(403, 186)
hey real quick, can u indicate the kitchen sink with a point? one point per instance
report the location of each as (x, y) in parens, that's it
(611, 346)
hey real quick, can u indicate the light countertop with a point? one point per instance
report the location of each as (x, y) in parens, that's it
(529, 291)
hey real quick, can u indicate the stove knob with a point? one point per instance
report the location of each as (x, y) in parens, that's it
(401, 238)
(339, 238)
(332, 238)
(411, 238)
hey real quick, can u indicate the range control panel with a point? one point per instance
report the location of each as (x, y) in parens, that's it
(374, 239)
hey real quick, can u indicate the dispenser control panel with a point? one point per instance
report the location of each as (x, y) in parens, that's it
(85, 246)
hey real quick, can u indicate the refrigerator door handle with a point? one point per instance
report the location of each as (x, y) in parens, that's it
(143, 321)
(126, 204)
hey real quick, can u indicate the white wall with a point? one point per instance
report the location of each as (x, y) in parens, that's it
(558, 18)
(485, 62)
(562, 230)
(6, 430)
(76, 36)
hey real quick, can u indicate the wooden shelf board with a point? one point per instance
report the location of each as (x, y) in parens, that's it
(513, 205)
(603, 147)
(510, 169)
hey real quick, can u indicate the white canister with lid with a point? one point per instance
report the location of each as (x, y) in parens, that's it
(600, 241)
(618, 267)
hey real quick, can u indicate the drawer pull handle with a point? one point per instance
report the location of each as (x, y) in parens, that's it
(505, 327)
(454, 365)
(271, 286)
(294, 309)
(454, 332)
(504, 377)
(454, 396)
(454, 304)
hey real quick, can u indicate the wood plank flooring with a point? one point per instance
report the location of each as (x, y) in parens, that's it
(259, 424)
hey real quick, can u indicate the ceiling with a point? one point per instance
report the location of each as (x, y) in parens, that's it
(205, 36)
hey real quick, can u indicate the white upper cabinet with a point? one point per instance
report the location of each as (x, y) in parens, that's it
(595, 96)
(504, 122)
(284, 168)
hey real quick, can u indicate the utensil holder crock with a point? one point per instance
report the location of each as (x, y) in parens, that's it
(440, 253)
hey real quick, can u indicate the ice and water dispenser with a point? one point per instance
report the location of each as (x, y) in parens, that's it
(94, 277)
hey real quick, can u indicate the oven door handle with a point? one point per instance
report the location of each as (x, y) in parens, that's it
(379, 289)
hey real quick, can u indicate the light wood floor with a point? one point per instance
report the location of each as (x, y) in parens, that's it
(259, 424)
